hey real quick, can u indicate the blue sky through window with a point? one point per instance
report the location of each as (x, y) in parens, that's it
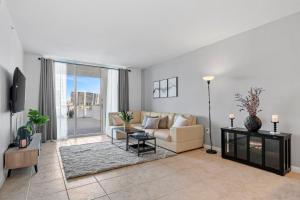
(84, 84)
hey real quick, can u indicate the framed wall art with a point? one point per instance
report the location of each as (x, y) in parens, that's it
(156, 89)
(163, 88)
(172, 87)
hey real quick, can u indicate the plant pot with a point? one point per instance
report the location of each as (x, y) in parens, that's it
(127, 125)
(252, 123)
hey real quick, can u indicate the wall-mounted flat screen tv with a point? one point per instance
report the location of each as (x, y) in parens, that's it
(17, 92)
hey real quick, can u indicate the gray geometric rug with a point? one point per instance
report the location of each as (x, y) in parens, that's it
(85, 159)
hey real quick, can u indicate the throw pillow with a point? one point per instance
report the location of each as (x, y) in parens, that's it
(180, 121)
(116, 120)
(152, 123)
(163, 122)
(145, 120)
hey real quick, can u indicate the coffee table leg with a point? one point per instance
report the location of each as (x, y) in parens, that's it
(127, 142)
(112, 136)
(138, 149)
(155, 145)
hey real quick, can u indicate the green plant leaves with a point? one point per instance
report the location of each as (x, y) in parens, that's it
(126, 116)
(36, 118)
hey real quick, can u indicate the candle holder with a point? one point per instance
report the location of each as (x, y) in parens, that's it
(231, 122)
(274, 128)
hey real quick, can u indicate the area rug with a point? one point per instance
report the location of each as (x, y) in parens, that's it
(85, 159)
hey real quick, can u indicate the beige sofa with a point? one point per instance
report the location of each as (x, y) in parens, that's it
(175, 139)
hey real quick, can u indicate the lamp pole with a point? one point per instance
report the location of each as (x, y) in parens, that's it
(208, 79)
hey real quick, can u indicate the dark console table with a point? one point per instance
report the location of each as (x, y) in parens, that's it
(271, 152)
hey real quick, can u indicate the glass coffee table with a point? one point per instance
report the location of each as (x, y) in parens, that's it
(141, 146)
(126, 132)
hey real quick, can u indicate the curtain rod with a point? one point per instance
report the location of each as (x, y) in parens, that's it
(84, 64)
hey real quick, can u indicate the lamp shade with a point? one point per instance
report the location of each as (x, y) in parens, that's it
(208, 78)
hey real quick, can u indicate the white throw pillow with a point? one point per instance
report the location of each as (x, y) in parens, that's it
(180, 121)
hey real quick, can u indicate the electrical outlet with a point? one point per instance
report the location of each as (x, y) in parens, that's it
(207, 130)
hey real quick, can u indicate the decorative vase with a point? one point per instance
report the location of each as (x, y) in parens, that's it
(252, 123)
(127, 125)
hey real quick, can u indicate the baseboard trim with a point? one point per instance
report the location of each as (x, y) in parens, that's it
(295, 169)
(218, 149)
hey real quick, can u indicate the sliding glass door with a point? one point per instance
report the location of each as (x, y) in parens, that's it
(79, 99)
(88, 100)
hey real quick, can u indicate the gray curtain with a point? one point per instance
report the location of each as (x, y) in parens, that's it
(47, 99)
(123, 90)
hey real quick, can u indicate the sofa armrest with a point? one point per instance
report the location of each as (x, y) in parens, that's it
(110, 115)
(187, 133)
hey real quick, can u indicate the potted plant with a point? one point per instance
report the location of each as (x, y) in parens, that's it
(251, 104)
(70, 113)
(126, 117)
(36, 120)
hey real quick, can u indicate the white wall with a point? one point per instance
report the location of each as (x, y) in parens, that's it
(11, 56)
(267, 57)
(32, 70)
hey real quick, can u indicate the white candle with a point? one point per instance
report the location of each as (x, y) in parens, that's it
(231, 116)
(275, 118)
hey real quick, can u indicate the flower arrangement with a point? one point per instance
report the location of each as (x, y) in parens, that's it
(126, 117)
(251, 102)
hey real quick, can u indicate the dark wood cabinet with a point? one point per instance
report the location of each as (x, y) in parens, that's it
(259, 149)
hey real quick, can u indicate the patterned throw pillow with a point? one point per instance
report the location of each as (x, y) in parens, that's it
(116, 120)
(180, 121)
(152, 123)
(163, 122)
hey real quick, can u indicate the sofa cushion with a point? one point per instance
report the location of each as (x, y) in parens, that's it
(163, 134)
(136, 117)
(180, 121)
(152, 123)
(163, 122)
(170, 118)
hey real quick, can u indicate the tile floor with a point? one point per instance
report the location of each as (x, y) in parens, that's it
(188, 176)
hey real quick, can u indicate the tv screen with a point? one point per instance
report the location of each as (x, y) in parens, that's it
(17, 96)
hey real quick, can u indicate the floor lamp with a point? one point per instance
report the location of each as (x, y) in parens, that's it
(208, 79)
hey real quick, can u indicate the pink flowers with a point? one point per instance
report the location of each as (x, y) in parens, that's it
(251, 102)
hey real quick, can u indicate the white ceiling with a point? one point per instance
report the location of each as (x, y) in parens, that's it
(137, 33)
